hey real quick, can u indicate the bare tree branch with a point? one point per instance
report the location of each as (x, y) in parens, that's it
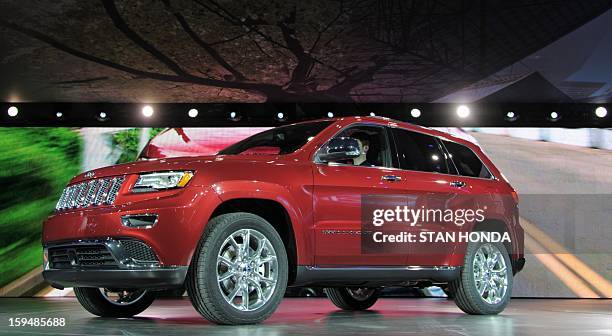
(212, 44)
(58, 45)
(361, 77)
(342, 10)
(206, 46)
(304, 60)
(252, 26)
(267, 89)
(113, 13)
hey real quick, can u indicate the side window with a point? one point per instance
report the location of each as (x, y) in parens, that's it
(374, 147)
(467, 163)
(420, 152)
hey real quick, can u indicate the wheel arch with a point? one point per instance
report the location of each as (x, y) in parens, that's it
(273, 212)
(491, 224)
(496, 225)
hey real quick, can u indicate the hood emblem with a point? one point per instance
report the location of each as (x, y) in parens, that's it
(90, 174)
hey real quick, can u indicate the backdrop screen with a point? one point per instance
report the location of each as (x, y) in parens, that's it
(563, 177)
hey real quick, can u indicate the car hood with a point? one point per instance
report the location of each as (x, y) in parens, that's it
(169, 164)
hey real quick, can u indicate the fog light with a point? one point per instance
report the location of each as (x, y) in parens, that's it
(143, 221)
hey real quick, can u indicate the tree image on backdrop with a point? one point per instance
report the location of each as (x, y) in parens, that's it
(280, 51)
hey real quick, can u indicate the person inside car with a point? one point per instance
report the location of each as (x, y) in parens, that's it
(364, 147)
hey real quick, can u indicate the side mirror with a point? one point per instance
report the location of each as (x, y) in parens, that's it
(337, 149)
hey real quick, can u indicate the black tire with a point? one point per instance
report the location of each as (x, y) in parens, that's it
(342, 298)
(201, 282)
(464, 288)
(94, 302)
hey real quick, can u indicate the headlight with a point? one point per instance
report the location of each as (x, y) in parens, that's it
(162, 181)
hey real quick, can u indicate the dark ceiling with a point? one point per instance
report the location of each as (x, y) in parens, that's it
(280, 51)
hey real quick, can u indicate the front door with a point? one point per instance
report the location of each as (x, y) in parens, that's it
(338, 190)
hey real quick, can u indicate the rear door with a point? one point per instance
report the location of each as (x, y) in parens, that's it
(429, 185)
(479, 188)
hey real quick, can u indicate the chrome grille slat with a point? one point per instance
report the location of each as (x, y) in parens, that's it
(81, 196)
(114, 190)
(91, 193)
(61, 200)
(75, 195)
(102, 190)
(95, 192)
(67, 198)
(66, 201)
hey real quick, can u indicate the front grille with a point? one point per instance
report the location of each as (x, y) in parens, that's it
(95, 255)
(90, 193)
(138, 250)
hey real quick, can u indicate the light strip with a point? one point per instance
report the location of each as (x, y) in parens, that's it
(573, 282)
(570, 260)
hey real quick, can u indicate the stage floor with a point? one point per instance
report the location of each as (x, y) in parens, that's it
(312, 316)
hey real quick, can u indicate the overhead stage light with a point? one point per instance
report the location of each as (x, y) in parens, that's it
(59, 114)
(234, 116)
(372, 114)
(463, 111)
(102, 116)
(415, 113)
(554, 116)
(330, 114)
(601, 112)
(192, 113)
(511, 116)
(13, 111)
(280, 116)
(147, 111)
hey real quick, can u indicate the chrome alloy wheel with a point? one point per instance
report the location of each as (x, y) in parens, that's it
(490, 274)
(247, 269)
(360, 294)
(122, 298)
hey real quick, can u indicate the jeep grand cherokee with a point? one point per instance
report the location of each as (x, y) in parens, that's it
(280, 208)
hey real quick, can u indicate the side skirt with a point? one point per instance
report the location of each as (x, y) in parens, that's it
(373, 275)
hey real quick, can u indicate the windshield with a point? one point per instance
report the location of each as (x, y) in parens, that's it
(280, 140)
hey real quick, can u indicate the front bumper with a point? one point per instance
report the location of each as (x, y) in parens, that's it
(180, 219)
(159, 278)
(108, 263)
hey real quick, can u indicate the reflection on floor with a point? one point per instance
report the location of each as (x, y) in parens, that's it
(313, 316)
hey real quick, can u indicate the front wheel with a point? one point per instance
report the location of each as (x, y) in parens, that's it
(239, 271)
(485, 284)
(114, 303)
(352, 298)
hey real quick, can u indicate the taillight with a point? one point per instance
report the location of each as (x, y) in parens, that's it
(515, 196)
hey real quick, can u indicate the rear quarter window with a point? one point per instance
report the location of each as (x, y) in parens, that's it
(419, 152)
(466, 161)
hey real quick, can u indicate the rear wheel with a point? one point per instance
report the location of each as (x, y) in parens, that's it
(114, 303)
(485, 284)
(239, 271)
(349, 298)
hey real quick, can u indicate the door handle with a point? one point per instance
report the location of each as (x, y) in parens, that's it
(458, 184)
(391, 178)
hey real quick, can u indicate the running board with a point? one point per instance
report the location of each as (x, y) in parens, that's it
(379, 275)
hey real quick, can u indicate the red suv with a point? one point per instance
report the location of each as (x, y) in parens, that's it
(285, 207)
